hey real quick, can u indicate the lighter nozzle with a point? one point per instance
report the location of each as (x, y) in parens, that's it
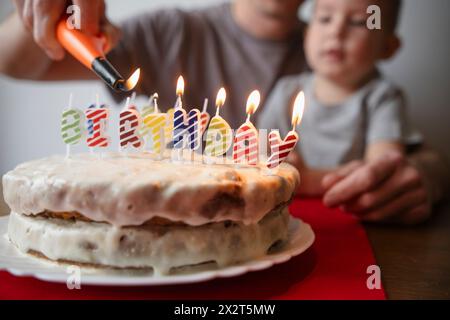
(131, 82)
(109, 74)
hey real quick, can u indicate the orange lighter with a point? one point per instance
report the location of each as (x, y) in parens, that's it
(89, 50)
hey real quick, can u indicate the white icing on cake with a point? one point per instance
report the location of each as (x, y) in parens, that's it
(126, 190)
(159, 247)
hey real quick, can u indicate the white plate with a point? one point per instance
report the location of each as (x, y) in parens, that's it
(301, 238)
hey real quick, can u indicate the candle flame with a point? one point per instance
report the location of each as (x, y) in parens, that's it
(133, 79)
(253, 102)
(221, 97)
(299, 107)
(180, 86)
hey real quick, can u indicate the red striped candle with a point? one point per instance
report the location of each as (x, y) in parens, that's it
(129, 123)
(204, 117)
(98, 118)
(246, 146)
(280, 149)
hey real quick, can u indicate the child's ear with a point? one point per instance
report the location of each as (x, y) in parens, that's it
(393, 44)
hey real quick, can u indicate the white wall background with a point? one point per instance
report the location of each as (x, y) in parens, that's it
(30, 111)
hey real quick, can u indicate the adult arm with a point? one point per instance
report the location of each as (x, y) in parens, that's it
(392, 187)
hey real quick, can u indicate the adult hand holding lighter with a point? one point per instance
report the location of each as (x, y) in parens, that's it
(89, 50)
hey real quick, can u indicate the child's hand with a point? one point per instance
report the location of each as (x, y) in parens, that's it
(385, 189)
(296, 160)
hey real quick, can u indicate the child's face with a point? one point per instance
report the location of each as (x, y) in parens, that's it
(338, 43)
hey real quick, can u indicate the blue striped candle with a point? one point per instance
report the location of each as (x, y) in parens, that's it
(186, 124)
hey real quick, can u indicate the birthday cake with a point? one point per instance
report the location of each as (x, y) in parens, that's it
(135, 211)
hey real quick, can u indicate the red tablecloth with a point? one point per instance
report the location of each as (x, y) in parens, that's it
(333, 268)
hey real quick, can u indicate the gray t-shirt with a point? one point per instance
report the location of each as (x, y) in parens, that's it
(210, 50)
(333, 135)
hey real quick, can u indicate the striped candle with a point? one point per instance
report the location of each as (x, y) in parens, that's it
(155, 123)
(89, 123)
(246, 146)
(280, 149)
(144, 130)
(179, 128)
(186, 124)
(218, 137)
(98, 118)
(168, 128)
(204, 120)
(204, 117)
(71, 126)
(129, 121)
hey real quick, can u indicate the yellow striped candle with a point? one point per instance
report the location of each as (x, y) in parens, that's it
(153, 124)
(168, 129)
(219, 135)
(145, 130)
(156, 123)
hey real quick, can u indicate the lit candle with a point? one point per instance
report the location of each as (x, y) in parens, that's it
(219, 135)
(185, 124)
(204, 117)
(246, 147)
(71, 125)
(179, 117)
(280, 149)
(97, 119)
(180, 91)
(155, 123)
(129, 121)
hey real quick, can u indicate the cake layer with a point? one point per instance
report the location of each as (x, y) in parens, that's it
(126, 190)
(78, 216)
(158, 247)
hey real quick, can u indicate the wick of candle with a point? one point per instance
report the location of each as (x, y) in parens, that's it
(70, 100)
(179, 104)
(97, 100)
(205, 105)
(127, 103)
(248, 117)
(67, 151)
(155, 103)
(217, 111)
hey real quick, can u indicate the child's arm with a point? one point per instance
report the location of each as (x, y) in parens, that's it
(310, 179)
(387, 127)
